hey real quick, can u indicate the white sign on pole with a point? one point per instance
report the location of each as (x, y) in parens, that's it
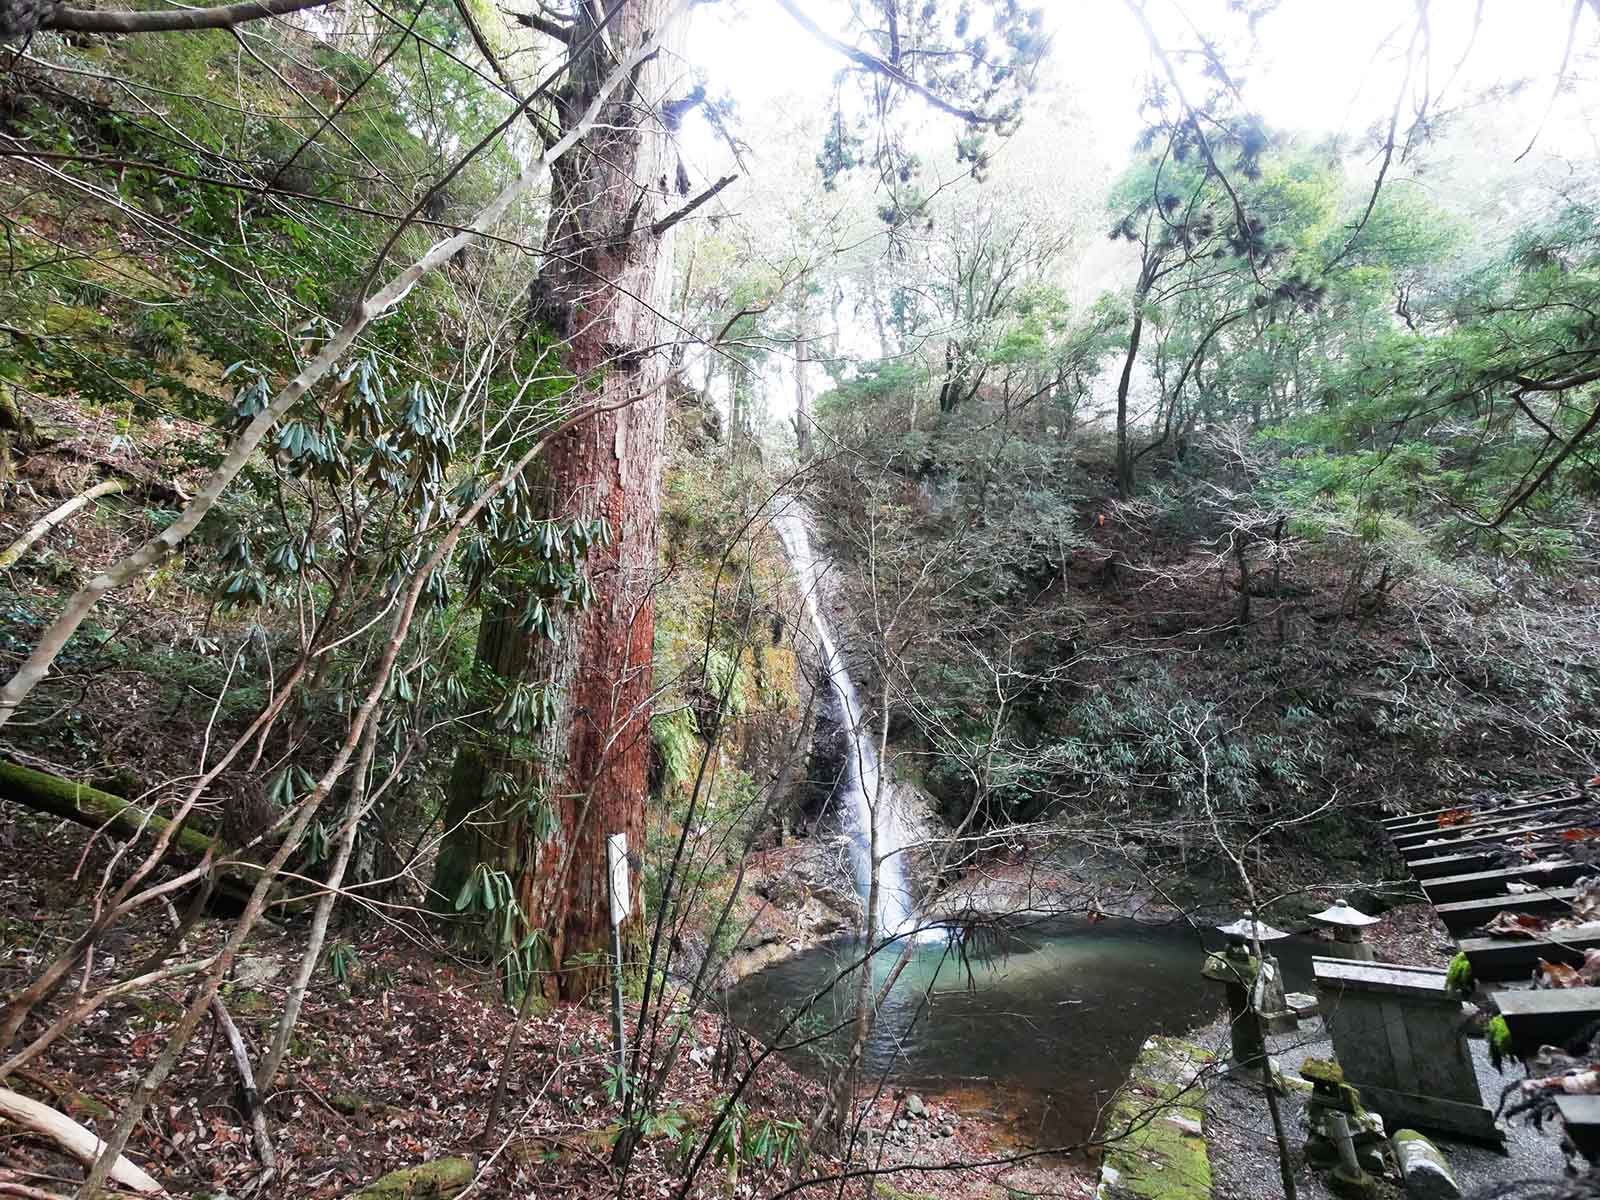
(617, 862)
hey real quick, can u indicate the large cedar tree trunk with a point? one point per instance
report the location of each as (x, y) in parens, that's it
(598, 294)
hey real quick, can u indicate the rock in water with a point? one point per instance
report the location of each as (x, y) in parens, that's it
(1427, 1175)
(915, 1107)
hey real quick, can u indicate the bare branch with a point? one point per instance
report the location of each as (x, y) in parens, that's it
(221, 16)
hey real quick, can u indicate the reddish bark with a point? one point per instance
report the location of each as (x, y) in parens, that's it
(599, 294)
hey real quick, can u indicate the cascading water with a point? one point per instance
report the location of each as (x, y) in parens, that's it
(867, 796)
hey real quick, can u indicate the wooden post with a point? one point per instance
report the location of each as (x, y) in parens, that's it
(617, 880)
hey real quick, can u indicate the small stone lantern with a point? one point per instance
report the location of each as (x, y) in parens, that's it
(1250, 979)
(1347, 924)
(1246, 931)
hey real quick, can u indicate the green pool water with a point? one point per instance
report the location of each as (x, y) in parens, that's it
(1039, 1031)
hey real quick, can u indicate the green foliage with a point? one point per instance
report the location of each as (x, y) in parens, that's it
(1459, 975)
(726, 683)
(742, 1140)
(161, 335)
(675, 735)
(523, 962)
(342, 962)
(492, 894)
(1498, 1035)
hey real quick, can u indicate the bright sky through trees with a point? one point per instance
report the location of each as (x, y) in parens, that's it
(1307, 67)
(1314, 66)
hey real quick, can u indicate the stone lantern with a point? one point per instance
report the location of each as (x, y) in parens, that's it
(1347, 924)
(1246, 931)
(1254, 987)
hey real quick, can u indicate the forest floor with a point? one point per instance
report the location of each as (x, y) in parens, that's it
(394, 1065)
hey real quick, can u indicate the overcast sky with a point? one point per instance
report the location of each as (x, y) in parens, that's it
(1316, 66)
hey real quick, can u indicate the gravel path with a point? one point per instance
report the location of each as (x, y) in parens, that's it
(1244, 1159)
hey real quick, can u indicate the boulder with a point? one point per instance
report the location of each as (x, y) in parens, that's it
(915, 1107)
(1427, 1175)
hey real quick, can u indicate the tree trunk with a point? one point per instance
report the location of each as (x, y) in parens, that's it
(603, 283)
(436, 1180)
(954, 378)
(77, 1141)
(14, 427)
(89, 806)
(1125, 478)
(478, 828)
(802, 394)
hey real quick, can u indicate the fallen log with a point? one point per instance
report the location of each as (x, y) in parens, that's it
(66, 798)
(437, 1180)
(43, 792)
(77, 1141)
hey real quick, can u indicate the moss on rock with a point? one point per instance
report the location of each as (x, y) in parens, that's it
(1155, 1148)
(437, 1180)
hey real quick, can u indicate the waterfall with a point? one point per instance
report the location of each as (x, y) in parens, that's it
(865, 793)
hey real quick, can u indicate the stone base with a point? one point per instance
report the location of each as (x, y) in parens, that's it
(1285, 1021)
(1355, 1184)
(1354, 951)
(1405, 1110)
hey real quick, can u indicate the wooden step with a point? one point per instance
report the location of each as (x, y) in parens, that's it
(1401, 825)
(1496, 831)
(1430, 814)
(1455, 864)
(1464, 915)
(1500, 958)
(1547, 1016)
(1430, 820)
(1477, 885)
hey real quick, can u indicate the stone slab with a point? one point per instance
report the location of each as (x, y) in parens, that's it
(1473, 1122)
(1477, 884)
(1463, 915)
(1397, 1029)
(1581, 1116)
(1542, 1016)
(1164, 1157)
(1302, 1004)
(1348, 974)
(1499, 958)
